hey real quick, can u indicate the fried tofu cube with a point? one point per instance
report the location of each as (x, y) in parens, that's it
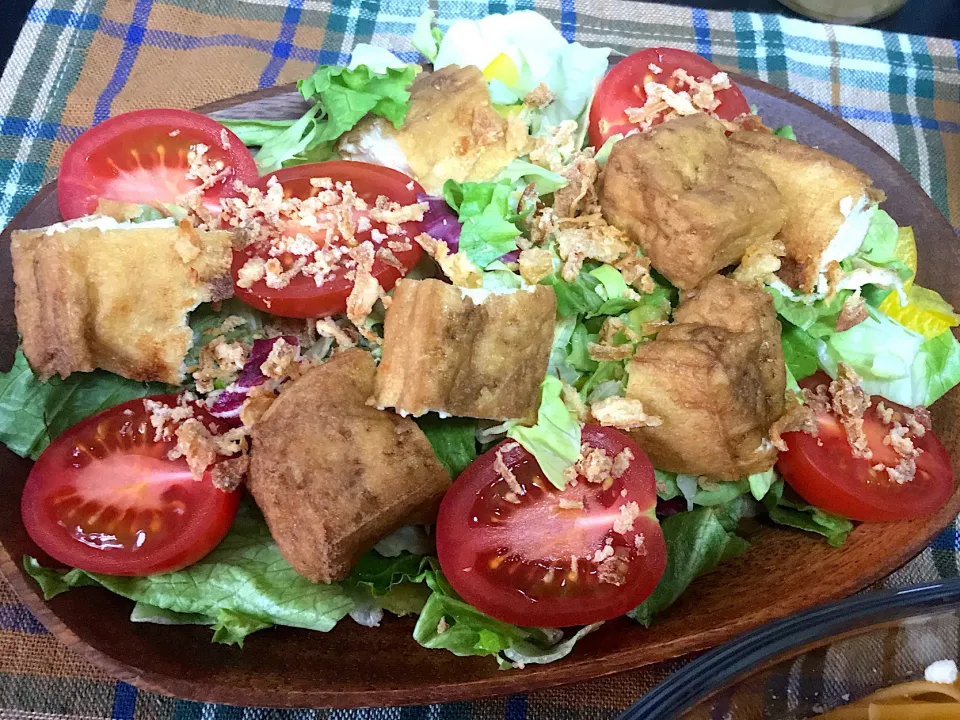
(816, 188)
(95, 293)
(333, 475)
(450, 131)
(468, 353)
(693, 204)
(716, 379)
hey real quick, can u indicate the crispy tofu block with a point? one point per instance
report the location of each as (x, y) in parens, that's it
(443, 352)
(450, 131)
(114, 297)
(333, 475)
(716, 379)
(813, 184)
(691, 202)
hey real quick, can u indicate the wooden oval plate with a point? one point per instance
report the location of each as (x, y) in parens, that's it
(352, 666)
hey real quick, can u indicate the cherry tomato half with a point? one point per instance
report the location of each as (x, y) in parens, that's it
(302, 297)
(141, 157)
(542, 561)
(825, 473)
(104, 497)
(623, 88)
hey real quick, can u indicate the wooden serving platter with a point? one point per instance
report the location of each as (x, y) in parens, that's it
(783, 572)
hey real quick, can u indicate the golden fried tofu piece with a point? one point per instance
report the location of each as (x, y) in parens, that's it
(693, 204)
(333, 475)
(450, 131)
(814, 185)
(444, 352)
(716, 379)
(95, 293)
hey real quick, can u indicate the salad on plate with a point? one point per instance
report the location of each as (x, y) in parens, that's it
(511, 344)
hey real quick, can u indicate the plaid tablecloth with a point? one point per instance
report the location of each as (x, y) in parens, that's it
(78, 62)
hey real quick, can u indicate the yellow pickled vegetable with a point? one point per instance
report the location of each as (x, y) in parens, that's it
(502, 68)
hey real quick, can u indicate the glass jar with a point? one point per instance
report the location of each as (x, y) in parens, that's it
(811, 662)
(849, 12)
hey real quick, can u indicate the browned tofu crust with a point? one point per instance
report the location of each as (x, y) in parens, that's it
(716, 378)
(691, 202)
(812, 184)
(333, 475)
(442, 352)
(115, 299)
(451, 129)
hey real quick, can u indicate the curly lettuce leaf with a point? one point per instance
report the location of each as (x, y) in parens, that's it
(33, 413)
(341, 97)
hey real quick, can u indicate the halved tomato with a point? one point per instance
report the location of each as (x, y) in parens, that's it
(825, 473)
(141, 157)
(543, 557)
(303, 297)
(106, 498)
(623, 87)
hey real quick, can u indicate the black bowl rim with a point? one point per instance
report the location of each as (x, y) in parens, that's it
(709, 673)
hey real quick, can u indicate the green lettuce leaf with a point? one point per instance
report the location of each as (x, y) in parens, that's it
(786, 131)
(448, 623)
(207, 319)
(33, 413)
(697, 542)
(145, 613)
(489, 214)
(254, 132)
(579, 356)
(454, 440)
(380, 574)
(880, 240)
(426, 36)
(520, 173)
(816, 318)
(799, 351)
(603, 154)
(559, 364)
(243, 585)
(607, 371)
(785, 508)
(760, 483)
(937, 368)
(894, 362)
(342, 97)
(577, 297)
(555, 440)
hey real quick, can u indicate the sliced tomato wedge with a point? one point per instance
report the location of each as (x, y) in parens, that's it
(303, 297)
(548, 558)
(106, 498)
(824, 472)
(623, 87)
(141, 157)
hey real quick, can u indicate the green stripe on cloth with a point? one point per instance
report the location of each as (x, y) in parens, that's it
(73, 54)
